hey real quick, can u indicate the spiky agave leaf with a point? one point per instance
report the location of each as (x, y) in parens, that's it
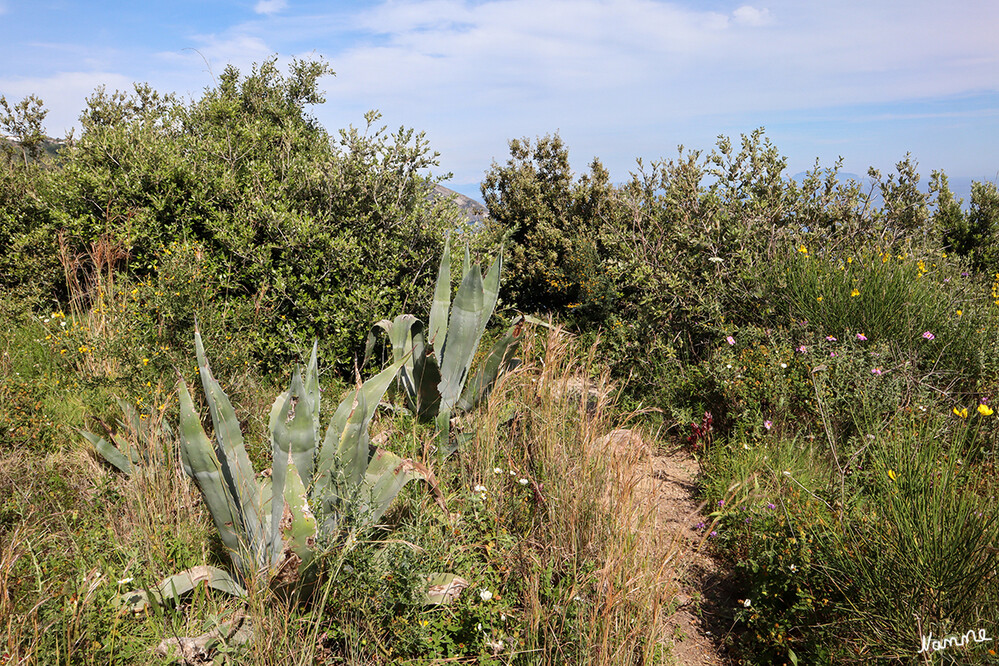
(109, 452)
(384, 478)
(299, 532)
(237, 471)
(499, 359)
(173, 587)
(472, 308)
(441, 304)
(371, 393)
(201, 463)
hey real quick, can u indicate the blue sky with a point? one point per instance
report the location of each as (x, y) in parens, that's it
(618, 79)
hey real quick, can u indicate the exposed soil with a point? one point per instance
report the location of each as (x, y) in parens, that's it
(705, 603)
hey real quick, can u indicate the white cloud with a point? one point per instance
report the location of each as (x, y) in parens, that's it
(748, 15)
(624, 71)
(270, 6)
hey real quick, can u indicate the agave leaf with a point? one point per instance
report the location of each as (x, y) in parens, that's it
(442, 299)
(372, 392)
(444, 445)
(124, 446)
(202, 464)
(132, 419)
(312, 389)
(173, 587)
(490, 288)
(386, 475)
(109, 452)
(235, 463)
(462, 340)
(298, 529)
(279, 471)
(499, 359)
(352, 454)
(298, 430)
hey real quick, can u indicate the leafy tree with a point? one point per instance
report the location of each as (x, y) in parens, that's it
(295, 232)
(558, 230)
(24, 122)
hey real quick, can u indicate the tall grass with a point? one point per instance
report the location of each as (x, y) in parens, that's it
(595, 530)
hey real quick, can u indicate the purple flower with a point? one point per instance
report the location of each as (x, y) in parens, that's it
(771, 506)
(721, 502)
(965, 274)
(832, 354)
(861, 337)
(700, 526)
(714, 533)
(876, 371)
(928, 335)
(830, 338)
(768, 424)
(801, 349)
(748, 520)
(730, 340)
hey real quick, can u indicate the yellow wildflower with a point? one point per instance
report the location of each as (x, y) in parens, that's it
(962, 412)
(985, 410)
(855, 292)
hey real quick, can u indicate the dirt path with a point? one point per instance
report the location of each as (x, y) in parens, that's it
(703, 616)
(667, 482)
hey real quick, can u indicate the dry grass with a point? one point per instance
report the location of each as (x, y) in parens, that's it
(592, 531)
(551, 418)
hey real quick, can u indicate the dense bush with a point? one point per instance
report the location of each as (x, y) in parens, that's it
(563, 251)
(297, 232)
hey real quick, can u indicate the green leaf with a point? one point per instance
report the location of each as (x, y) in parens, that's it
(442, 299)
(372, 392)
(298, 528)
(201, 464)
(499, 359)
(173, 587)
(385, 476)
(237, 471)
(108, 452)
(462, 340)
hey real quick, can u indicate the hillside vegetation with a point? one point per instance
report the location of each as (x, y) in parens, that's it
(825, 350)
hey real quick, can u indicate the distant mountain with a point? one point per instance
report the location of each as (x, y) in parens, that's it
(473, 211)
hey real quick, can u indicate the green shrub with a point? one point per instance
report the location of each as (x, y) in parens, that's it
(932, 314)
(925, 532)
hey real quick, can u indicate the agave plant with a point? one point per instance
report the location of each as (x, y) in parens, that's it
(318, 489)
(436, 360)
(122, 454)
